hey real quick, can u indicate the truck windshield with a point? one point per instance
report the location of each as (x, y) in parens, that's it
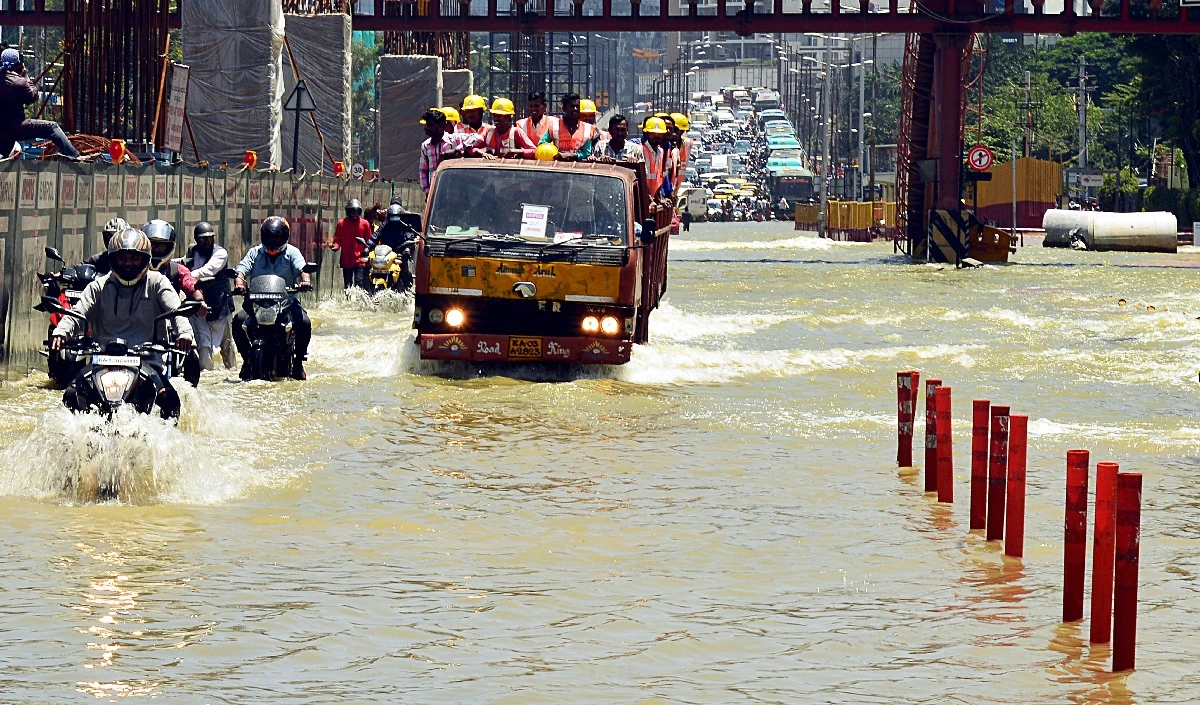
(541, 205)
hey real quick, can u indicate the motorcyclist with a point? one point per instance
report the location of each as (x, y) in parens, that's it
(207, 259)
(345, 238)
(100, 259)
(274, 256)
(393, 232)
(123, 304)
(162, 246)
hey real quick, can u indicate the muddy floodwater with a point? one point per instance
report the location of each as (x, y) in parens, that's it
(720, 521)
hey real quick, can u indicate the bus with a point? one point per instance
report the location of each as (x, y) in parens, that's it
(766, 100)
(794, 184)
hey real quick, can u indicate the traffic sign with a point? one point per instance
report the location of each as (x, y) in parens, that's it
(980, 158)
(358, 170)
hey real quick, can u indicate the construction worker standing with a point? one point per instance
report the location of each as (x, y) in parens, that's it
(508, 140)
(654, 131)
(472, 117)
(573, 134)
(587, 113)
(538, 124)
(682, 125)
(453, 120)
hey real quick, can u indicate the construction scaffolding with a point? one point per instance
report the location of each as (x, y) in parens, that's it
(114, 67)
(556, 63)
(454, 48)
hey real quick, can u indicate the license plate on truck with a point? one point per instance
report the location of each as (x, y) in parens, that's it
(524, 348)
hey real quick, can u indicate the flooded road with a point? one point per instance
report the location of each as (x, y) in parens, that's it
(720, 521)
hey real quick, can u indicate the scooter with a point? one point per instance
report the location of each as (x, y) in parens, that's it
(117, 375)
(66, 287)
(272, 342)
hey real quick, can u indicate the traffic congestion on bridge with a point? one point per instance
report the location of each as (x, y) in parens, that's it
(523, 350)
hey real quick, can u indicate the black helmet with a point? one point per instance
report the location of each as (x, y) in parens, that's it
(353, 208)
(203, 229)
(162, 241)
(395, 213)
(274, 232)
(129, 240)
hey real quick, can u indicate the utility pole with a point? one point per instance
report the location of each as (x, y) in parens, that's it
(1083, 155)
(874, 106)
(823, 215)
(862, 90)
(1028, 117)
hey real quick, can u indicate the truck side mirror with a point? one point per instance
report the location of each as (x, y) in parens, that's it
(649, 231)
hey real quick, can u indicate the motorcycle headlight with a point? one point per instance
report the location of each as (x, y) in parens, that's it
(266, 315)
(114, 383)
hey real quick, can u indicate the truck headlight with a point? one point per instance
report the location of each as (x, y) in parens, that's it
(455, 318)
(591, 324)
(610, 325)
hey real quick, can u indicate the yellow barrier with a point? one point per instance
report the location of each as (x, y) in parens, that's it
(852, 221)
(1038, 181)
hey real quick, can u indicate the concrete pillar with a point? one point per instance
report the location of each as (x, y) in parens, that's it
(408, 86)
(457, 84)
(321, 46)
(234, 49)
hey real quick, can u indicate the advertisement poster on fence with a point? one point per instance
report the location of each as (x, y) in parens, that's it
(176, 107)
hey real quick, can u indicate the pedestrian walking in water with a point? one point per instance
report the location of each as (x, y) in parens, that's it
(686, 219)
(350, 230)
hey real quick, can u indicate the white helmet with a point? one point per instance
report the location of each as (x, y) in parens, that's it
(113, 227)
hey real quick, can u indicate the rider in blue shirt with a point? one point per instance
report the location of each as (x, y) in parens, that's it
(274, 256)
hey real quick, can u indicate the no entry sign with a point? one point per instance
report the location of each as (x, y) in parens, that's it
(980, 158)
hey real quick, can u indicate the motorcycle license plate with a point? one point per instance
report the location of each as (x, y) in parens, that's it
(116, 361)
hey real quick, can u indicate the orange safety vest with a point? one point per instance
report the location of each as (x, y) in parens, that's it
(537, 132)
(496, 143)
(568, 141)
(653, 156)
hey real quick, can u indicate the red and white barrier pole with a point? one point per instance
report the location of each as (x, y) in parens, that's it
(980, 409)
(997, 473)
(1014, 531)
(931, 434)
(1128, 554)
(945, 447)
(1075, 535)
(906, 402)
(1104, 540)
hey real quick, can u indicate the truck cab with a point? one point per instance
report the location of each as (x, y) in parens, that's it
(527, 261)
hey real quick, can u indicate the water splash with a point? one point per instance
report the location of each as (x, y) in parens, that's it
(135, 458)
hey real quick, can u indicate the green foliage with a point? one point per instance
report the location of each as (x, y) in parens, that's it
(1107, 194)
(1171, 200)
(1170, 89)
(365, 53)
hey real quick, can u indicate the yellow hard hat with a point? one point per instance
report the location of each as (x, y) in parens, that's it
(656, 126)
(451, 114)
(662, 115)
(681, 121)
(546, 152)
(587, 106)
(474, 102)
(503, 106)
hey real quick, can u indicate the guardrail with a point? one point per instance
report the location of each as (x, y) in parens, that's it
(851, 221)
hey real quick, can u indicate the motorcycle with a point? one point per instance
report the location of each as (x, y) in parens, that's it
(117, 375)
(66, 287)
(388, 270)
(272, 342)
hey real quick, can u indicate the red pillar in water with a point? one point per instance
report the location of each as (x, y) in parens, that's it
(980, 410)
(948, 110)
(1075, 535)
(906, 403)
(1129, 547)
(931, 458)
(945, 447)
(997, 474)
(1104, 539)
(1014, 530)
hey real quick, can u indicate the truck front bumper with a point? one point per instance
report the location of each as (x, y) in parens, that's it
(523, 348)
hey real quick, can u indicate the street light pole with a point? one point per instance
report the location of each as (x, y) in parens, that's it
(862, 94)
(823, 215)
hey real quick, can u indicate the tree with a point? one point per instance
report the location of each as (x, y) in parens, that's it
(1170, 90)
(365, 53)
